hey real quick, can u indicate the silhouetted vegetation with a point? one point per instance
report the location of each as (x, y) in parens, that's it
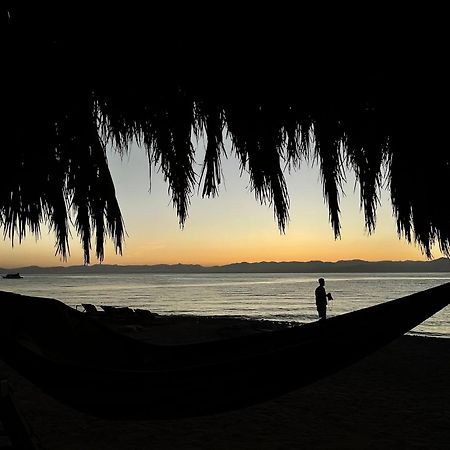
(346, 97)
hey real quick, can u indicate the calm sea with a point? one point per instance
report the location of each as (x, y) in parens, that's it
(265, 296)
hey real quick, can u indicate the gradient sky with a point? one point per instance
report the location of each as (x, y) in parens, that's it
(230, 228)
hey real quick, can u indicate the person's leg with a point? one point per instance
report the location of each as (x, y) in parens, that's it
(322, 310)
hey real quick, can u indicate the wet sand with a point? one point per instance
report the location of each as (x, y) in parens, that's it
(397, 398)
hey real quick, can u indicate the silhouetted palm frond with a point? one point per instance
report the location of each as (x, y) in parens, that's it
(281, 97)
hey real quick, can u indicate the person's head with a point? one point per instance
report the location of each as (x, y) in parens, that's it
(321, 281)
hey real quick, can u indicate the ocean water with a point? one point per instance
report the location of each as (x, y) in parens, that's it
(286, 297)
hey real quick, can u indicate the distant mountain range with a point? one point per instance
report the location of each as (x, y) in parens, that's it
(354, 265)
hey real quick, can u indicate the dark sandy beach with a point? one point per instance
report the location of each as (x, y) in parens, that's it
(397, 398)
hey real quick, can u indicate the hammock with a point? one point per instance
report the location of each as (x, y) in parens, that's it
(88, 366)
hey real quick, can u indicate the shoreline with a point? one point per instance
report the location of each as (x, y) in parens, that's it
(397, 397)
(198, 327)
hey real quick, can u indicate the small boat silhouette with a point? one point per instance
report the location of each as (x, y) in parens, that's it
(13, 276)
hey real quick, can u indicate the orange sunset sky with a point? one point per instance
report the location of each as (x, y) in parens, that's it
(230, 228)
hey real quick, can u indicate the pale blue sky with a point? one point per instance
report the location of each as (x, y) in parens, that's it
(229, 228)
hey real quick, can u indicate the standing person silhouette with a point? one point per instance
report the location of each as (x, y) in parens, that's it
(321, 299)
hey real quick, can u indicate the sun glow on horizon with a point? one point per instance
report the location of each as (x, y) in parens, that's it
(231, 228)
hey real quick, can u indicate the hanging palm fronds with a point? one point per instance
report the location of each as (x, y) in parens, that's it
(282, 98)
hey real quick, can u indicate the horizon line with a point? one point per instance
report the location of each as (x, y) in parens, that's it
(230, 264)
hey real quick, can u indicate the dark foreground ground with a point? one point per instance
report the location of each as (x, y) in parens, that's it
(398, 398)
